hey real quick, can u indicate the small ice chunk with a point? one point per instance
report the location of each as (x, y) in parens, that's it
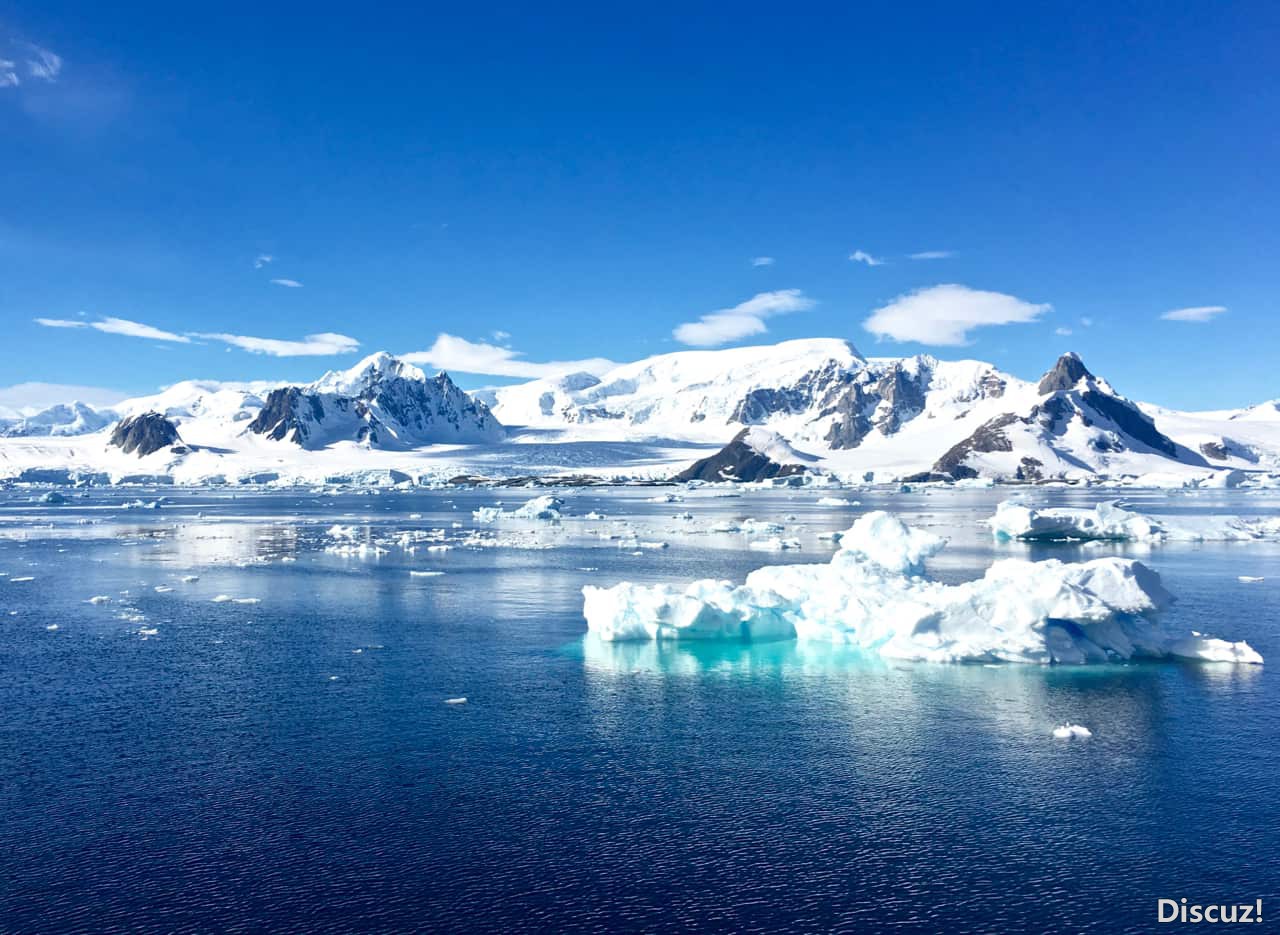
(413, 573)
(1071, 731)
(52, 626)
(189, 579)
(99, 599)
(23, 578)
(1250, 579)
(162, 589)
(460, 700)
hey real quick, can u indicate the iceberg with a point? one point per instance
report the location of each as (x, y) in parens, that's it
(1110, 521)
(545, 508)
(874, 596)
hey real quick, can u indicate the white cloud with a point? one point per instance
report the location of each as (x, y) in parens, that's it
(313, 345)
(741, 321)
(30, 397)
(122, 326)
(501, 336)
(1086, 322)
(44, 64)
(1062, 332)
(1195, 313)
(38, 64)
(459, 355)
(945, 314)
(860, 256)
(762, 261)
(287, 283)
(932, 255)
(262, 259)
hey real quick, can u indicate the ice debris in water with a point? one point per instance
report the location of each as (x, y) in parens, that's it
(1109, 521)
(836, 501)
(99, 599)
(874, 595)
(545, 508)
(1070, 731)
(461, 700)
(1249, 579)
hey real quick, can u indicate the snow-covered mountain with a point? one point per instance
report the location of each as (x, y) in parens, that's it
(859, 418)
(74, 418)
(383, 403)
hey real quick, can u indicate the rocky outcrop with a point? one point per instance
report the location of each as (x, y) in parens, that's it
(746, 458)
(988, 437)
(145, 434)
(380, 403)
(1066, 373)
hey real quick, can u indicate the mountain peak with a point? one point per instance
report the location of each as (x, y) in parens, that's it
(1066, 373)
(373, 369)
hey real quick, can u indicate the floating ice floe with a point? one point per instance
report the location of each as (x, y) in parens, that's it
(425, 574)
(546, 508)
(1071, 731)
(228, 599)
(874, 595)
(99, 599)
(190, 579)
(22, 579)
(1249, 579)
(1109, 521)
(461, 700)
(836, 501)
(774, 544)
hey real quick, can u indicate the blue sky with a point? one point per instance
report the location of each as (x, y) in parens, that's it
(554, 183)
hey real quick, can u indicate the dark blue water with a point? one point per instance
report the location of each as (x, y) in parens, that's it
(243, 768)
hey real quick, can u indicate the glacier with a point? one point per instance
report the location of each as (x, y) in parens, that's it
(874, 595)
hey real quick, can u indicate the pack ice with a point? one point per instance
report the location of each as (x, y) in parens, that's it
(1015, 520)
(875, 595)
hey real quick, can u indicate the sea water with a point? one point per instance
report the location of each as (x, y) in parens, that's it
(171, 761)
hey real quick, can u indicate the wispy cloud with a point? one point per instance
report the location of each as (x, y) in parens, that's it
(262, 259)
(502, 336)
(762, 261)
(741, 321)
(450, 352)
(33, 63)
(313, 345)
(122, 326)
(288, 283)
(945, 314)
(43, 64)
(1062, 332)
(932, 255)
(861, 256)
(29, 397)
(1086, 322)
(1199, 313)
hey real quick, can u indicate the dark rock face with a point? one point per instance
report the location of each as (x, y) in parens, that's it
(989, 436)
(737, 461)
(1131, 420)
(902, 397)
(757, 406)
(387, 410)
(1066, 373)
(1214, 450)
(282, 417)
(145, 434)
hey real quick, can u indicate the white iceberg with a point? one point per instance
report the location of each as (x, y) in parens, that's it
(1071, 731)
(873, 595)
(545, 508)
(1109, 521)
